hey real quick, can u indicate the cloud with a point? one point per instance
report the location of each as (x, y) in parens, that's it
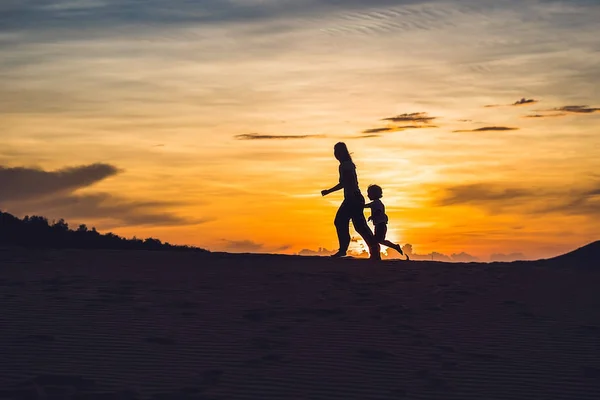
(498, 197)
(488, 129)
(545, 115)
(53, 194)
(524, 102)
(377, 130)
(417, 117)
(562, 111)
(256, 136)
(362, 137)
(578, 109)
(26, 183)
(420, 120)
(480, 193)
(397, 128)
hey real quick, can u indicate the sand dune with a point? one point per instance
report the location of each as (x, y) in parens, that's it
(140, 324)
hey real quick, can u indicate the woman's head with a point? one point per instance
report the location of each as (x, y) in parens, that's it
(374, 192)
(340, 151)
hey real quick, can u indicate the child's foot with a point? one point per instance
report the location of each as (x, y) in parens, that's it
(399, 249)
(338, 254)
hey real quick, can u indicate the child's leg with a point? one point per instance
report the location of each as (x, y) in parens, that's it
(380, 232)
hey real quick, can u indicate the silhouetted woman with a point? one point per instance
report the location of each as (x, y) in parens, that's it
(352, 206)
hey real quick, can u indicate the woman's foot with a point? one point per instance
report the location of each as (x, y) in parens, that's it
(339, 254)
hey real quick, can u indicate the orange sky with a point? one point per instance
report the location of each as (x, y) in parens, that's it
(163, 98)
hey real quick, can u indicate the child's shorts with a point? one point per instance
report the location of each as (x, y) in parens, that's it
(380, 231)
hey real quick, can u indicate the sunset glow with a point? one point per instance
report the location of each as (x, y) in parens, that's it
(215, 120)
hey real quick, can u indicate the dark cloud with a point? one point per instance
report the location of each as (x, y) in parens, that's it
(578, 109)
(524, 102)
(377, 130)
(25, 183)
(420, 120)
(488, 129)
(54, 195)
(397, 128)
(362, 137)
(257, 136)
(583, 201)
(545, 115)
(480, 193)
(418, 117)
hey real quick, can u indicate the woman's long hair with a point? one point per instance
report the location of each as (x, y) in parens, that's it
(340, 150)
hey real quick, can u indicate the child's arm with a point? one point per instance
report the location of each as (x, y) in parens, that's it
(369, 205)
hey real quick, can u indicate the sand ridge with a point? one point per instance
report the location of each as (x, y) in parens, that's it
(139, 324)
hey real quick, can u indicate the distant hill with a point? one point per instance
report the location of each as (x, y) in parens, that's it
(586, 256)
(37, 232)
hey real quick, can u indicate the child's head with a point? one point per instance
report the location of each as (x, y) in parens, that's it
(374, 192)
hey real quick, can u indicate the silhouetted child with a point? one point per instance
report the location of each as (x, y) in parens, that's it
(379, 218)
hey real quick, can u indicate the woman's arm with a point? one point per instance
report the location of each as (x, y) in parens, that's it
(337, 187)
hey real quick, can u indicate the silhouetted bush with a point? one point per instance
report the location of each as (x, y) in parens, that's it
(36, 231)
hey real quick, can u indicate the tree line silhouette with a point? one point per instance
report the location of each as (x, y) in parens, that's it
(36, 232)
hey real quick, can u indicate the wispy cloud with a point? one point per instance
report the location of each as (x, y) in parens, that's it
(545, 115)
(420, 120)
(378, 130)
(397, 128)
(257, 136)
(480, 193)
(498, 197)
(489, 129)
(418, 117)
(578, 109)
(525, 102)
(522, 102)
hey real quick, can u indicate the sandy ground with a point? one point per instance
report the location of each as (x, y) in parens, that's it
(134, 324)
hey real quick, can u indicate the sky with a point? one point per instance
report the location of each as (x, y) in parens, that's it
(212, 122)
